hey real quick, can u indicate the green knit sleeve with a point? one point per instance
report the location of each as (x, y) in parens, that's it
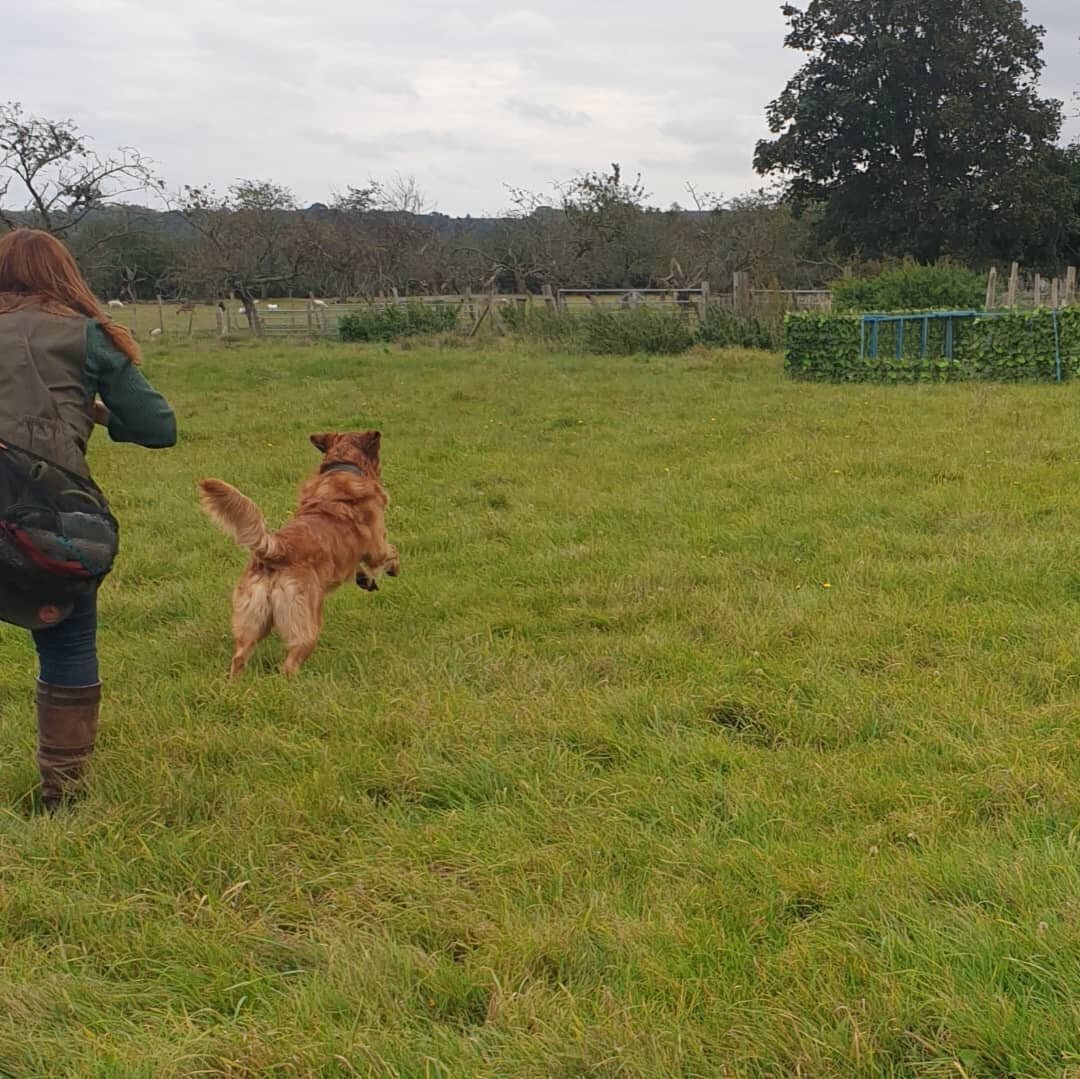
(138, 413)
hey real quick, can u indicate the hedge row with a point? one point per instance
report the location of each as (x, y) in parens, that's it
(603, 330)
(1021, 347)
(1012, 347)
(912, 287)
(619, 332)
(398, 320)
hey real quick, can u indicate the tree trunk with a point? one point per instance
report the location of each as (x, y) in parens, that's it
(250, 310)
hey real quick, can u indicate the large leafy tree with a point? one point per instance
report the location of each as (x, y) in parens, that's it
(1071, 243)
(918, 126)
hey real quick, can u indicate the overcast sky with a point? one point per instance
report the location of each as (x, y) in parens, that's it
(465, 95)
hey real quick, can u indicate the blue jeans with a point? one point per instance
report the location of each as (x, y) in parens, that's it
(67, 653)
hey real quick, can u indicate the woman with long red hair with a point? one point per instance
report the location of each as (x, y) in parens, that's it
(64, 367)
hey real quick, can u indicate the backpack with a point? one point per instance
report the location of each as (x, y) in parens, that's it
(58, 539)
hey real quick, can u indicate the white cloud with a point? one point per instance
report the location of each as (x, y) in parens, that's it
(329, 92)
(526, 27)
(552, 115)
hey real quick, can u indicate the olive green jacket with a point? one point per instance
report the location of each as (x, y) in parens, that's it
(51, 369)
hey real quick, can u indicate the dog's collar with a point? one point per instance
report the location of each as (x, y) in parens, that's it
(341, 466)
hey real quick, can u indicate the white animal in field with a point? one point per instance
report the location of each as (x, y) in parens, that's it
(116, 303)
(319, 303)
(271, 307)
(156, 331)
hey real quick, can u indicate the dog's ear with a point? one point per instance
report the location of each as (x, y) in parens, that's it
(323, 442)
(371, 441)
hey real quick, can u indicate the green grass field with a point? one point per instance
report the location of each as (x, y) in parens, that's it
(718, 726)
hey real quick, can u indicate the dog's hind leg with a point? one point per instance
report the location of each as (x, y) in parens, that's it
(298, 612)
(252, 619)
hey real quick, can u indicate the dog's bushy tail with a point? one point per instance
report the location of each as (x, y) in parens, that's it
(240, 519)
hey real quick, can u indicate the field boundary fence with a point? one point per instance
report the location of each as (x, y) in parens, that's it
(1026, 291)
(315, 318)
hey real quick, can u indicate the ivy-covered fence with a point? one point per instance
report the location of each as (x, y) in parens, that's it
(1038, 345)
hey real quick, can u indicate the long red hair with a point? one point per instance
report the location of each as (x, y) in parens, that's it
(37, 270)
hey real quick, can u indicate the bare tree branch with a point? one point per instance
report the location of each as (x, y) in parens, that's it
(62, 177)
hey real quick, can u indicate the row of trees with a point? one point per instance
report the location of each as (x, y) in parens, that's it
(255, 240)
(912, 130)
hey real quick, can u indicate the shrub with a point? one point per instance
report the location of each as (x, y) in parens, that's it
(614, 332)
(398, 320)
(641, 329)
(624, 331)
(722, 328)
(541, 324)
(912, 287)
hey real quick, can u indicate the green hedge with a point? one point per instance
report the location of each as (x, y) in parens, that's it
(912, 287)
(619, 331)
(1020, 346)
(398, 320)
(614, 331)
(823, 348)
(639, 330)
(1012, 347)
(722, 328)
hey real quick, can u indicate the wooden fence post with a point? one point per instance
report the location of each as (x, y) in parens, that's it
(311, 314)
(488, 309)
(1038, 290)
(1070, 286)
(161, 314)
(742, 300)
(496, 318)
(991, 289)
(1055, 293)
(1014, 284)
(703, 310)
(219, 317)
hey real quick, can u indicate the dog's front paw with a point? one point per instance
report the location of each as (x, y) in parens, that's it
(368, 584)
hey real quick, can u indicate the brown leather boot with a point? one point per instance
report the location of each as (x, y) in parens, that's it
(67, 730)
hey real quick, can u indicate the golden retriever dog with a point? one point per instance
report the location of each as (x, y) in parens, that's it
(338, 534)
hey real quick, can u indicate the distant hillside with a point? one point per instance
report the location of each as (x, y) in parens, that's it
(172, 224)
